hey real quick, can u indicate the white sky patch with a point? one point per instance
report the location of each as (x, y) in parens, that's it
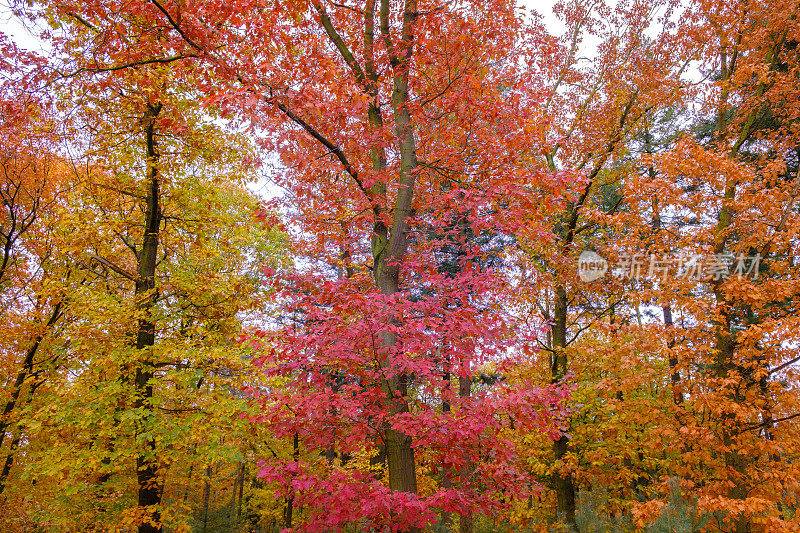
(22, 33)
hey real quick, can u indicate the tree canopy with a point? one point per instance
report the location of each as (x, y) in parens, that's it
(507, 274)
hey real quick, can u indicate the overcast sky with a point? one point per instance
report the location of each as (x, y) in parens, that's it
(12, 27)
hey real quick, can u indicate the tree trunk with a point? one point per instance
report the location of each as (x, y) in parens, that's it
(241, 492)
(19, 383)
(149, 491)
(289, 509)
(188, 482)
(389, 251)
(9, 461)
(388, 245)
(206, 496)
(725, 341)
(562, 482)
(465, 521)
(445, 518)
(674, 373)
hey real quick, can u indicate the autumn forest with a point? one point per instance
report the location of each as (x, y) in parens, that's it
(440, 266)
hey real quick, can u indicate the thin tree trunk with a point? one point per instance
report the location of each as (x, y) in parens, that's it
(674, 373)
(149, 491)
(675, 376)
(465, 521)
(9, 460)
(188, 482)
(19, 383)
(562, 482)
(289, 510)
(233, 492)
(444, 518)
(206, 496)
(241, 492)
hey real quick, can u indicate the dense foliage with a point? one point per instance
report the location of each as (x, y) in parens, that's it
(497, 275)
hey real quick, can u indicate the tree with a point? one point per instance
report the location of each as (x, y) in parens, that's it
(31, 191)
(735, 183)
(443, 167)
(145, 349)
(594, 107)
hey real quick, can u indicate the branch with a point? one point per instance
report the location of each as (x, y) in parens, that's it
(95, 70)
(765, 250)
(386, 33)
(784, 365)
(177, 26)
(82, 21)
(768, 422)
(341, 46)
(612, 143)
(184, 410)
(592, 321)
(115, 268)
(570, 58)
(121, 191)
(351, 8)
(335, 150)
